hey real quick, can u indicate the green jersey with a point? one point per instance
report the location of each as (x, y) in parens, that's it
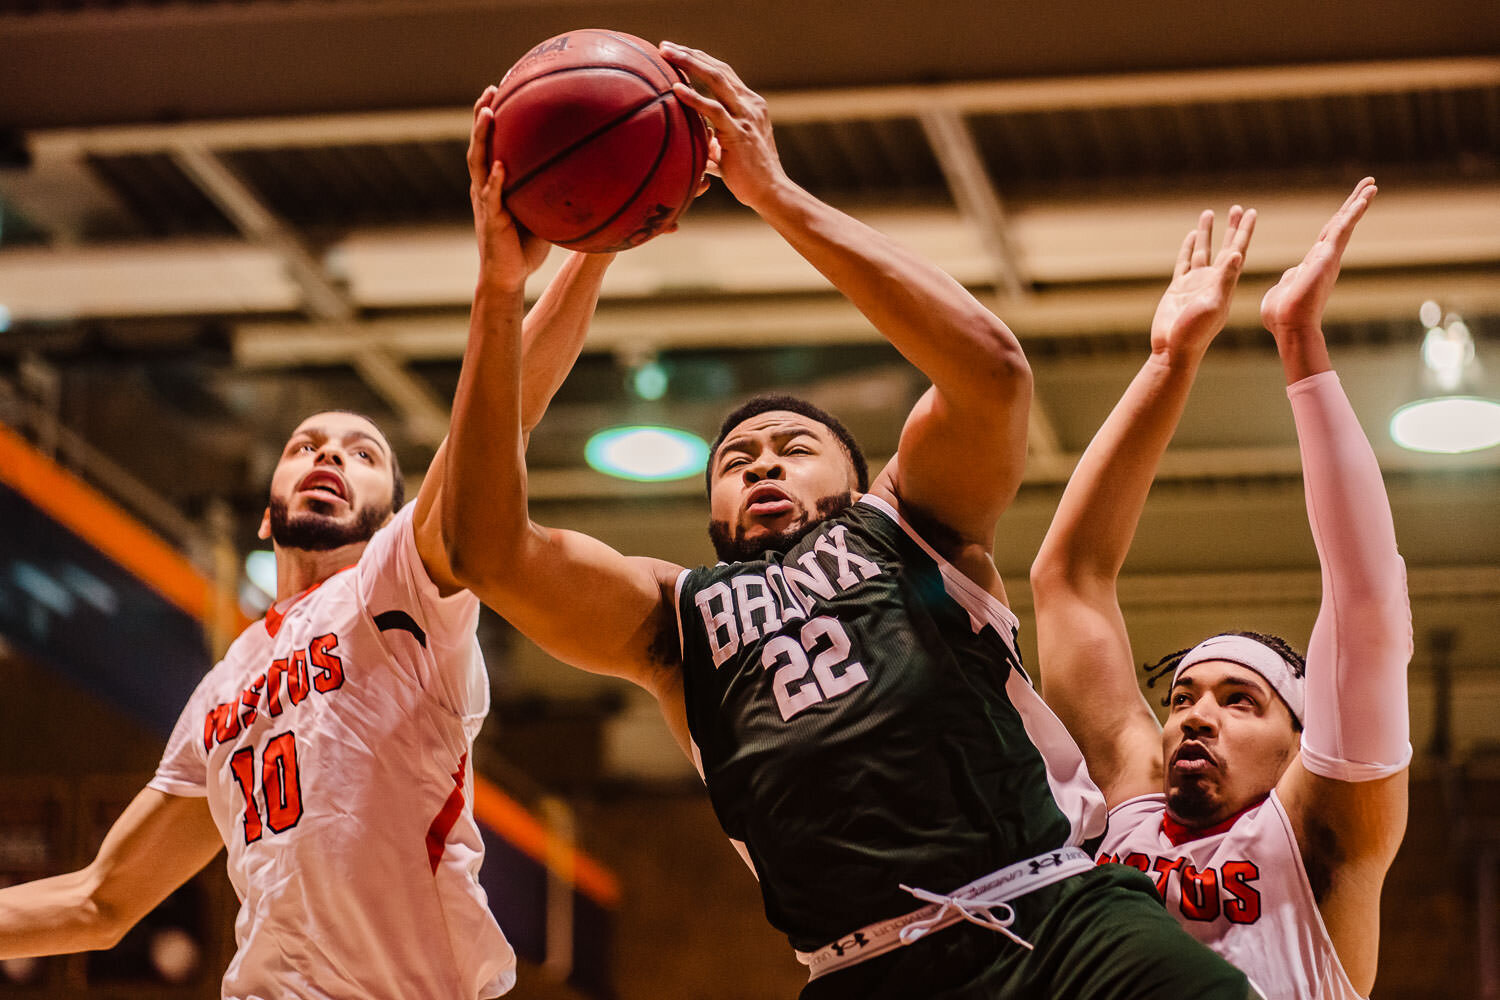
(861, 718)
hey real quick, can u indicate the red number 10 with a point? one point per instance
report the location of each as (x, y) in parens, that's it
(279, 779)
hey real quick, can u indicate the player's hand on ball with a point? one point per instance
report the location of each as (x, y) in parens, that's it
(1196, 304)
(746, 157)
(507, 252)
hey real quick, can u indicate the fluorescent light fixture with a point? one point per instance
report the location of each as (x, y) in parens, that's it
(646, 454)
(1447, 425)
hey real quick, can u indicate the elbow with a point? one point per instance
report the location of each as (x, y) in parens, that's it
(1059, 580)
(106, 930)
(1049, 577)
(99, 923)
(482, 562)
(1007, 366)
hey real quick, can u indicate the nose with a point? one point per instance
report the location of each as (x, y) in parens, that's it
(767, 466)
(1201, 719)
(329, 454)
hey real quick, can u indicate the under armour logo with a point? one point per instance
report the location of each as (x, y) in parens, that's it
(1051, 861)
(855, 940)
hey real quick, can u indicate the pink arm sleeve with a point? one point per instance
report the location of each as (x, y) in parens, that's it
(1357, 727)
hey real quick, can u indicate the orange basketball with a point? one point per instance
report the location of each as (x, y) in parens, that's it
(599, 153)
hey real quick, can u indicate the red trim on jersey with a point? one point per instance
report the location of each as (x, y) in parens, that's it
(274, 617)
(1179, 834)
(442, 824)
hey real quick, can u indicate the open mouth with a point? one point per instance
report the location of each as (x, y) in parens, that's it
(325, 485)
(767, 499)
(1193, 758)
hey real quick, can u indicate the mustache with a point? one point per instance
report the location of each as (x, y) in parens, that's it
(730, 544)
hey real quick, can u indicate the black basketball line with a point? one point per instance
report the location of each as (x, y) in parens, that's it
(661, 152)
(655, 98)
(653, 57)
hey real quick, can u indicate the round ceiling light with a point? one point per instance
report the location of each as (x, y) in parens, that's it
(646, 454)
(1447, 424)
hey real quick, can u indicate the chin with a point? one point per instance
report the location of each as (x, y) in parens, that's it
(1194, 804)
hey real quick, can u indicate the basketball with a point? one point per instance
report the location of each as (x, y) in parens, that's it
(599, 154)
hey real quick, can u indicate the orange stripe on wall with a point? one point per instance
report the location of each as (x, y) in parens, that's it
(516, 824)
(97, 520)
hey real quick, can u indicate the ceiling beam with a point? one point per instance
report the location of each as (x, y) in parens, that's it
(977, 97)
(974, 193)
(830, 320)
(1069, 244)
(422, 413)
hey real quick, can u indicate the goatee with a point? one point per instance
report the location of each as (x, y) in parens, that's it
(732, 546)
(315, 532)
(1192, 804)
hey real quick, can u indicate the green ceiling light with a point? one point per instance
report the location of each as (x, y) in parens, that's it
(647, 454)
(1458, 416)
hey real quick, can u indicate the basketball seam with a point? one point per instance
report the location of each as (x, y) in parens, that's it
(655, 98)
(661, 152)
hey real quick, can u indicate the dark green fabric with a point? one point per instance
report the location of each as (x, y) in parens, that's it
(1100, 935)
(923, 773)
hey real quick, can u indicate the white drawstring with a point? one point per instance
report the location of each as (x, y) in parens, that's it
(975, 911)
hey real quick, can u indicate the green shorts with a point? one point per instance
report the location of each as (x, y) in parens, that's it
(1099, 935)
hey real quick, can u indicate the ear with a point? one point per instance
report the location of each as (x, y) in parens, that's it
(264, 531)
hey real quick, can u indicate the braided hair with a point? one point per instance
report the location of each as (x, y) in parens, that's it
(1166, 667)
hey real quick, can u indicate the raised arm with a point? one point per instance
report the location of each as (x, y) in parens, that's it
(577, 598)
(1087, 670)
(552, 334)
(963, 450)
(1346, 793)
(157, 844)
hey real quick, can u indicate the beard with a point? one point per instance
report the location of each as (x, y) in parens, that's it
(730, 544)
(1194, 803)
(316, 532)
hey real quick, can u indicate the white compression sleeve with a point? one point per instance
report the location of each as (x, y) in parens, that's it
(1357, 725)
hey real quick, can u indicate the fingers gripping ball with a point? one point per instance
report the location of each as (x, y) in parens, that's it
(599, 154)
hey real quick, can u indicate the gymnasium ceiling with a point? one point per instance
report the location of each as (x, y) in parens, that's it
(219, 216)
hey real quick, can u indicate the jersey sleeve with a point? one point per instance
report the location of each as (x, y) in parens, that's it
(432, 635)
(183, 769)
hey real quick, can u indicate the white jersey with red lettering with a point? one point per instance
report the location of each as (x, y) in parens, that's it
(1241, 889)
(332, 742)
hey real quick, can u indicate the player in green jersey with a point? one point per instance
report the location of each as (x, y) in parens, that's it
(847, 680)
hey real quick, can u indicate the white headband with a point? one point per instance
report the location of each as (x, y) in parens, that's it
(1258, 657)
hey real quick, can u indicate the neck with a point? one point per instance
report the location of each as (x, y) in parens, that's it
(299, 569)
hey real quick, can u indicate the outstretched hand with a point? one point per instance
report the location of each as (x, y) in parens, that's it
(507, 252)
(1295, 305)
(1196, 303)
(744, 152)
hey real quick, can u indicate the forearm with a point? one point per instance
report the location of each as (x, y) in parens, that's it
(482, 499)
(52, 916)
(1357, 725)
(554, 331)
(1097, 516)
(967, 352)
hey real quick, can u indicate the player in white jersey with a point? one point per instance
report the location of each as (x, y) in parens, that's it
(1268, 818)
(329, 750)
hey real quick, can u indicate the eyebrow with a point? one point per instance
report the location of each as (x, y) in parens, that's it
(741, 442)
(1237, 682)
(353, 435)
